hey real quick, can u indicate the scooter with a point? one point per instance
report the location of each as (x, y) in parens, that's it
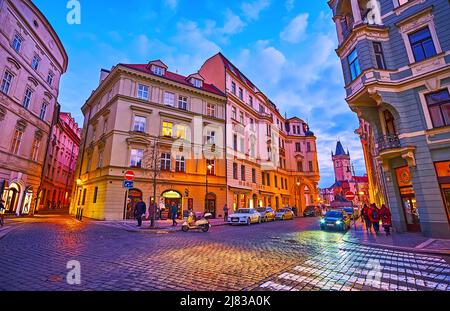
(192, 224)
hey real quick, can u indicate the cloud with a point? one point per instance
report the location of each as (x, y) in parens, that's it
(289, 5)
(295, 30)
(233, 24)
(252, 10)
(172, 4)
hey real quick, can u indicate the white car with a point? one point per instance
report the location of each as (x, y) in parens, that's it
(244, 216)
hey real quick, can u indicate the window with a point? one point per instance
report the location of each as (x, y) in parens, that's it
(182, 102)
(263, 178)
(6, 82)
(43, 111)
(253, 175)
(241, 93)
(235, 171)
(158, 71)
(252, 150)
(100, 159)
(35, 149)
(211, 167)
(235, 142)
(167, 128)
(180, 164)
(27, 98)
(242, 149)
(439, 108)
(379, 55)
(252, 124)
(95, 195)
(17, 43)
(181, 131)
(294, 129)
(243, 172)
(105, 125)
(89, 164)
(298, 147)
(136, 157)
(234, 113)
(268, 179)
(261, 108)
(50, 77)
(35, 62)
(353, 63)
(210, 137)
(308, 147)
(250, 101)
(166, 161)
(276, 181)
(241, 117)
(422, 44)
(143, 92)
(169, 99)
(299, 166)
(83, 201)
(211, 110)
(17, 140)
(233, 88)
(197, 83)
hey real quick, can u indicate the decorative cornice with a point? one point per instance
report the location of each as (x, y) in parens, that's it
(141, 109)
(172, 116)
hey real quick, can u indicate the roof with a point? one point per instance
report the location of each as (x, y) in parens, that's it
(210, 88)
(229, 65)
(339, 149)
(361, 179)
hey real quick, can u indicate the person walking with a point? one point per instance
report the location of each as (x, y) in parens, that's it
(365, 217)
(2, 212)
(174, 212)
(386, 219)
(225, 212)
(374, 215)
(139, 211)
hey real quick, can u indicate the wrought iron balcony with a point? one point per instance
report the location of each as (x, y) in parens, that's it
(388, 142)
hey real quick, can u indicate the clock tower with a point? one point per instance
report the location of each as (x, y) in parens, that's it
(342, 164)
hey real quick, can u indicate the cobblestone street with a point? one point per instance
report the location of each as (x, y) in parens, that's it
(290, 255)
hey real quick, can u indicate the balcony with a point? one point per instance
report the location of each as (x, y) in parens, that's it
(388, 142)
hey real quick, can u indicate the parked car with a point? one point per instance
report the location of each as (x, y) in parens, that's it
(284, 214)
(267, 213)
(335, 219)
(310, 211)
(352, 212)
(244, 216)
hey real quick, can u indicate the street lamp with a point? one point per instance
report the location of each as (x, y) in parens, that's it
(209, 168)
(295, 193)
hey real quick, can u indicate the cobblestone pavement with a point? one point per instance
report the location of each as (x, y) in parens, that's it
(290, 255)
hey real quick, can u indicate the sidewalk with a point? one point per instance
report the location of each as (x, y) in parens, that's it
(161, 226)
(403, 241)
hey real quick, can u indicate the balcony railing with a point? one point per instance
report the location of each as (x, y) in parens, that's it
(388, 142)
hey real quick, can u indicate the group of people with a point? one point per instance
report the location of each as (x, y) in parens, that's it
(140, 212)
(2, 212)
(372, 216)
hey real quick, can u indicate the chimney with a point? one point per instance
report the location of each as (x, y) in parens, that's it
(103, 75)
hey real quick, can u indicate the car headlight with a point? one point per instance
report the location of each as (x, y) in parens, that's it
(338, 222)
(322, 221)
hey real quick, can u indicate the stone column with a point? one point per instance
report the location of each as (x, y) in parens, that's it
(338, 22)
(356, 12)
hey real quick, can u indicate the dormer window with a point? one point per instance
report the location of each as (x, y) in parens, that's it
(158, 70)
(197, 83)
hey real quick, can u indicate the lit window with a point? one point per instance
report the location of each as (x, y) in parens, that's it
(143, 92)
(211, 110)
(166, 161)
(17, 43)
(6, 82)
(137, 155)
(169, 99)
(439, 108)
(182, 102)
(17, 140)
(35, 62)
(181, 131)
(27, 98)
(353, 62)
(43, 111)
(167, 129)
(422, 44)
(210, 167)
(180, 164)
(139, 124)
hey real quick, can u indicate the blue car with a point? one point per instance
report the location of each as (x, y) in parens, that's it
(337, 220)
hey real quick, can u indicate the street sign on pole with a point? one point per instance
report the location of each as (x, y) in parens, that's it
(350, 196)
(129, 175)
(128, 184)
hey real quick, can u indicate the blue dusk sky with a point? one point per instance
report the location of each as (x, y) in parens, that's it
(286, 47)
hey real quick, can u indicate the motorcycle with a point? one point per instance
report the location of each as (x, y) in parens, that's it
(193, 224)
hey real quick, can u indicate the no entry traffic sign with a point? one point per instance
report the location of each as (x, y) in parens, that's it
(350, 196)
(129, 175)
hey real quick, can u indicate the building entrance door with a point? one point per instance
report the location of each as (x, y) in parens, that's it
(211, 204)
(411, 213)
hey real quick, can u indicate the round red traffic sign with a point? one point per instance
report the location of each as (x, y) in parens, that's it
(129, 175)
(350, 196)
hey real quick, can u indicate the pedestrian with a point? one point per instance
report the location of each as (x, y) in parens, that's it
(139, 211)
(365, 218)
(2, 212)
(225, 212)
(386, 219)
(374, 215)
(174, 212)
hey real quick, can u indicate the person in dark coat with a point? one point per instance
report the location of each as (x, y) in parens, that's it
(365, 218)
(2, 212)
(386, 219)
(374, 215)
(139, 211)
(174, 212)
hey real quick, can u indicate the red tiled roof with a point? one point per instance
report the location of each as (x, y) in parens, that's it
(174, 77)
(236, 72)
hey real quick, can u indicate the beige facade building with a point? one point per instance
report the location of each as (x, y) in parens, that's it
(32, 59)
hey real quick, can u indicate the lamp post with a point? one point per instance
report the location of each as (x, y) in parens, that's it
(208, 170)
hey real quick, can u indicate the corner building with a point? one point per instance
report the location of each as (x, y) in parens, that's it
(395, 57)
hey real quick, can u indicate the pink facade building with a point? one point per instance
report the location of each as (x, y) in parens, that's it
(32, 59)
(60, 164)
